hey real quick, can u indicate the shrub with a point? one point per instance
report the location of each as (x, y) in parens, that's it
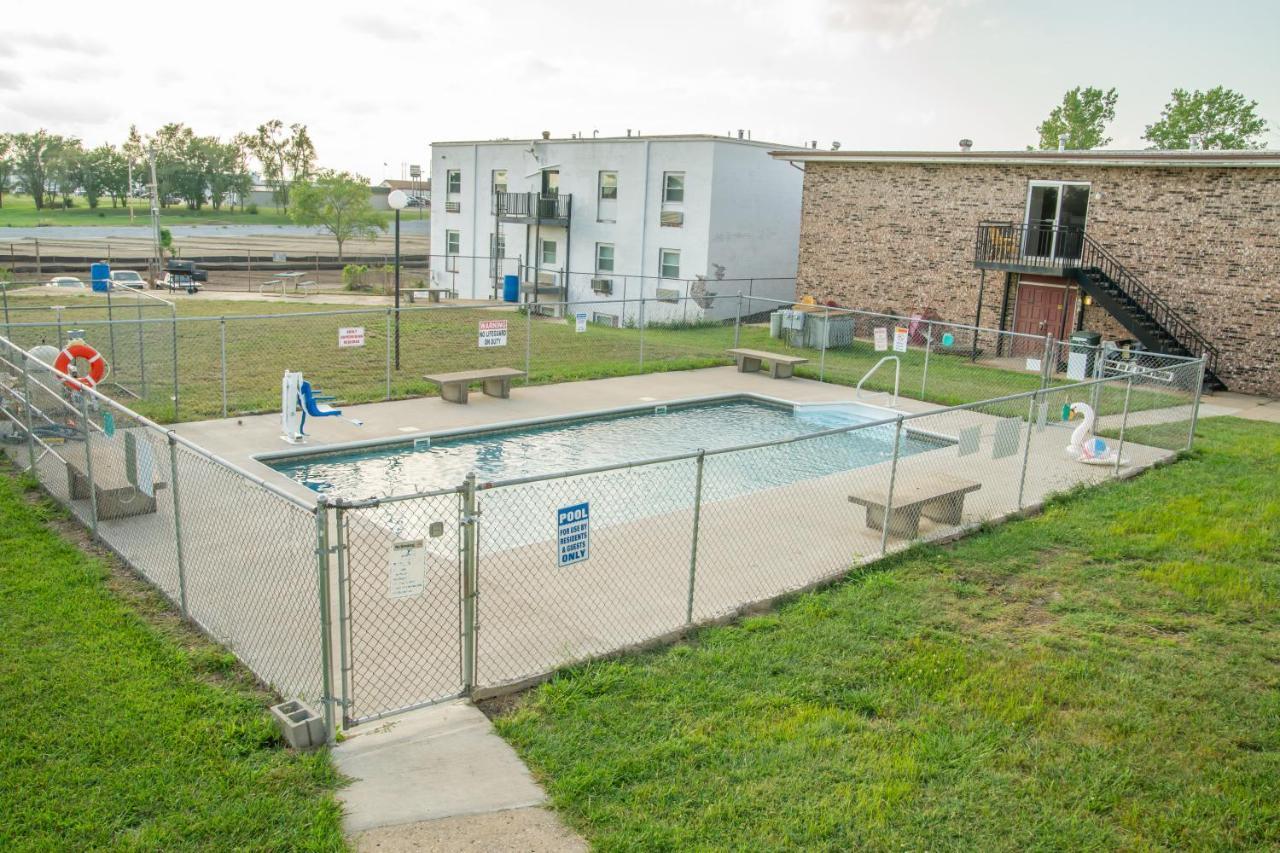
(353, 276)
(252, 209)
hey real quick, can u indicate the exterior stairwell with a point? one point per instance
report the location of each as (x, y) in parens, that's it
(1072, 253)
(1144, 314)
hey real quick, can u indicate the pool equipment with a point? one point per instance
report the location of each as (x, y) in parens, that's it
(298, 400)
(1086, 447)
(78, 349)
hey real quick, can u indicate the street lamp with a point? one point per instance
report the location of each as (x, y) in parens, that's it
(398, 201)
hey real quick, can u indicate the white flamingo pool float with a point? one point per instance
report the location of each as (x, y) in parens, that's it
(1086, 447)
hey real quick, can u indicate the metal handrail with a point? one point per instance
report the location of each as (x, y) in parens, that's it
(897, 373)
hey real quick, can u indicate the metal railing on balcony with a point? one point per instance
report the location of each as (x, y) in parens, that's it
(532, 206)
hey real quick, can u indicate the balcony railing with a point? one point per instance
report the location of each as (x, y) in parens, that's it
(1005, 245)
(533, 206)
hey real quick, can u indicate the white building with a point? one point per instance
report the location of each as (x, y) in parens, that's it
(607, 221)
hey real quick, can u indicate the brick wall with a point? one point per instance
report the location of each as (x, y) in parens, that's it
(900, 238)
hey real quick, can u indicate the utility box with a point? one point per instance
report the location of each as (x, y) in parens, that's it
(1081, 361)
(826, 331)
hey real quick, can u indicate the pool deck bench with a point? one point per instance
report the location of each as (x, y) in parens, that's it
(936, 496)
(780, 366)
(454, 387)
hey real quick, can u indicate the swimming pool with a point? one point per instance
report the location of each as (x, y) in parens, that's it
(631, 436)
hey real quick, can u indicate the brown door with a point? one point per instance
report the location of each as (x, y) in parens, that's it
(1041, 310)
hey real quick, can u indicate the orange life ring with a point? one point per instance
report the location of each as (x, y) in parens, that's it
(79, 349)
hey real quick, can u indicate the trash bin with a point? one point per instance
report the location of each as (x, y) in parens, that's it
(1083, 355)
(511, 288)
(775, 324)
(100, 276)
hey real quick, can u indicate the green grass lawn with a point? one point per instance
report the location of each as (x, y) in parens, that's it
(259, 350)
(1103, 676)
(123, 729)
(20, 210)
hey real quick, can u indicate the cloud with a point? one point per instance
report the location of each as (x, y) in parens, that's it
(61, 114)
(60, 42)
(383, 29)
(890, 22)
(9, 80)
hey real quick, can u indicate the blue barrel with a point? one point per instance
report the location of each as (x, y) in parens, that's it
(100, 276)
(511, 288)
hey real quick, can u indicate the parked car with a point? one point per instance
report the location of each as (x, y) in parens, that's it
(66, 282)
(127, 278)
(187, 268)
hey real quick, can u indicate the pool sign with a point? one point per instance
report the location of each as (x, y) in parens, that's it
(407, 569)
(882, 338)
(493, 333)
(350, 336)
(580, 321)
(900, 334)
(573, 533)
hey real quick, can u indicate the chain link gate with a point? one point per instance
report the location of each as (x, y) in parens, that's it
(402, 596)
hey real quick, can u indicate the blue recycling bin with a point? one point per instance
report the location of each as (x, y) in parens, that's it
(511, 288)
(100, 276)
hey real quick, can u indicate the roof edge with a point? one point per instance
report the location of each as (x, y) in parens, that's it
(1203, 159)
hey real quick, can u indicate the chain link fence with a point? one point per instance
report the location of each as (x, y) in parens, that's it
(371, 607)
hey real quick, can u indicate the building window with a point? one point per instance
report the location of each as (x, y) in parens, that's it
(453, 181)
(499, 180)
(608, 186)
(604, 257)
(453, 242)
(669, 262)
(498, 245)
(673, 187)
(549, 252)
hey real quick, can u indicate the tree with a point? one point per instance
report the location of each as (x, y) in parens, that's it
(6, 165)
(36, 162)
(1082, 116)
(285, 157)
(338, 202)
(1219, 118)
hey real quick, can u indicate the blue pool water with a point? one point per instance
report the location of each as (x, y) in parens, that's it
(634, 436)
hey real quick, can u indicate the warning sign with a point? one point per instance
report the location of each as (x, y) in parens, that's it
(407, 569)
(351, 336)
(900, 335)
(493, 333)
(580, 321)
(573, 533)
(882, 338)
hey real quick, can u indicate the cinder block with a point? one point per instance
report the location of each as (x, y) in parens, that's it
(301, 725)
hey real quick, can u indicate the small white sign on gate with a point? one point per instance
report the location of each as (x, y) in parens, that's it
(882, 338)
(407, 569)
(573, 534)
(350, 336)
(580, 321)
(493, 333)
(900, 334)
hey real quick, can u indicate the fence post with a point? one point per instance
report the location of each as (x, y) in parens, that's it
(826, 333)
(469, 575)
(642, 330)
(344, 616)
(111, 326)
(1124, 421)
(888, 503)
(248, 275)
(387, 372)
(693, 551)
(1044, 364)
(326, 636)
(1026, 451)
(222, 360)
(88, 461)
(142, 350)
(528, 343)
(26, 396)
(177, 523)
(1195, 406)
(737, 323)
(928, 347)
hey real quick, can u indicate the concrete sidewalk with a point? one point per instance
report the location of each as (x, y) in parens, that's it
(1241, 406)
(440, 778)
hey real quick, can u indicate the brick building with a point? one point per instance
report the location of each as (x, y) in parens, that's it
(1179, 250)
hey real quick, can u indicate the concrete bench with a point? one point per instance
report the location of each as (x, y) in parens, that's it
(113, 501)
(936, 496)
(454, 387)
(432, 294)
(780, 366)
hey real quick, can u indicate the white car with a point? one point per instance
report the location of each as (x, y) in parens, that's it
(66, 282)
(127, 278)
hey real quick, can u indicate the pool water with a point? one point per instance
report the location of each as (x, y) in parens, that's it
(568, 445)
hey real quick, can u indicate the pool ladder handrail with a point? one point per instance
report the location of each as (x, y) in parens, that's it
(897, 373)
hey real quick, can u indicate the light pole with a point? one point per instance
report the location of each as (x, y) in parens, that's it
(155, 215)
(398, 201)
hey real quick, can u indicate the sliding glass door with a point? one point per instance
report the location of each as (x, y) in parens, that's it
(1056, 213)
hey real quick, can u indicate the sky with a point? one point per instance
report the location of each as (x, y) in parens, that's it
(376, 82)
